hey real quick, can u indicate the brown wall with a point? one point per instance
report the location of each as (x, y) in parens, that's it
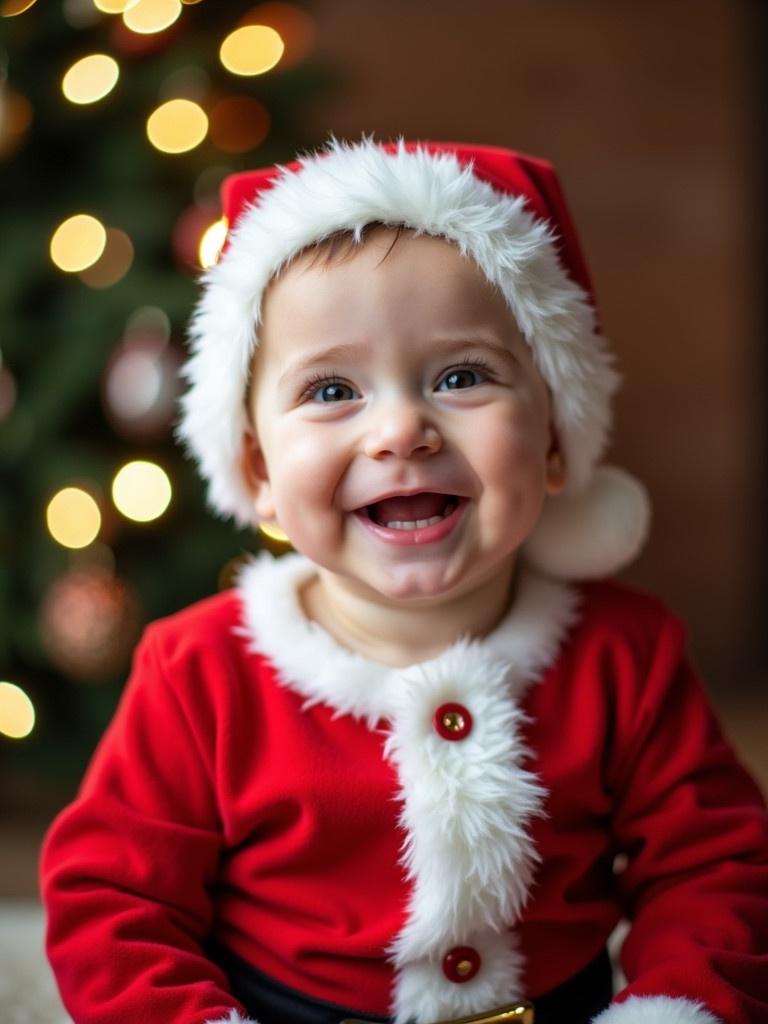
(647, 110)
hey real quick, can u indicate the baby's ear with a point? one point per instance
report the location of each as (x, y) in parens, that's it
(256, 476)
(555, 472)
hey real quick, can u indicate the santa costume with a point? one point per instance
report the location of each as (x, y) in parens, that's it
(276, 828)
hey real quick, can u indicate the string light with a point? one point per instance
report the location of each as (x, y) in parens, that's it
(251, 50)
(91, 78)
(141, 491)
(177, 126)
(212, 243)
(149, 16)
(73, 518)
(78, 242)
(17, 712)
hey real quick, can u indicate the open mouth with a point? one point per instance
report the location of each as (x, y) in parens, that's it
(412, 511)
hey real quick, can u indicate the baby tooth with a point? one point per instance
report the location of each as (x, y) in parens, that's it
(409, 524)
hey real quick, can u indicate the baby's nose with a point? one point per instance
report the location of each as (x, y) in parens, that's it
(402, 431)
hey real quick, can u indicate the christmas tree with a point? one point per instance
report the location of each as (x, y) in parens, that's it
(118, 120)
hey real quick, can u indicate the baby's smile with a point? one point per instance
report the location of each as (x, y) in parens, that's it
(411, 511)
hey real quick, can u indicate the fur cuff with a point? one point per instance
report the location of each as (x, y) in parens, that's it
(592, 533)
(233, 1018)
(656, 1010)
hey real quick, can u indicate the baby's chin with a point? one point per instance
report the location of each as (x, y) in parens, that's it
(422, 585)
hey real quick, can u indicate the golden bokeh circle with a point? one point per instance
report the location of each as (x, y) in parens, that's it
(90, 79)
(177, 126)
(78, 242)
(73, 518)
(251, 50)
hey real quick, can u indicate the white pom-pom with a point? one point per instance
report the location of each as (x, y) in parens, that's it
(593, 533)
(656, 1010)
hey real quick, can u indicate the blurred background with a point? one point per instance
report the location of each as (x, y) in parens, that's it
(118, 120)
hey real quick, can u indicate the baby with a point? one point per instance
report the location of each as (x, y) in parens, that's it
(419, 770)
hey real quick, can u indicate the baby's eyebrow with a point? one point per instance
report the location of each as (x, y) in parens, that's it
(350, 352)
(323, 357)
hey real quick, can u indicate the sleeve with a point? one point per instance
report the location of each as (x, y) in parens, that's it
(693, 827)
(126, 871)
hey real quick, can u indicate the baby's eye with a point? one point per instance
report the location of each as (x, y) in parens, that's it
(331, 391)
(461, 377)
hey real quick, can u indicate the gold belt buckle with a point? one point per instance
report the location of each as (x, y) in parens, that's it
(517, 1013)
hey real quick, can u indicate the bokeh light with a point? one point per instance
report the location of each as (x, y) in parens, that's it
(189, 82)
(149, 320)
(15, 119)
(91, 78)
(114, 6)
(134, 383)
(251, 50)
(113, 264)
(273, 532)
(7, 392)
(177, 126)
(78, 242)
(141, 491)
(150, 16)
(10, 8)
(294, 25)
(81, 13)
(73, 518)
(212, 243)
(238, 124)
(17, 712)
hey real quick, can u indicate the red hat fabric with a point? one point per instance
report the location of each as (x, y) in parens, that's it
(507, 171)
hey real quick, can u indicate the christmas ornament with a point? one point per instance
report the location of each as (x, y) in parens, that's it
(89, 623)
(140, 386)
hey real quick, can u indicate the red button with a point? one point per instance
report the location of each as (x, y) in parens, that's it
(452, 721)
(461, 964)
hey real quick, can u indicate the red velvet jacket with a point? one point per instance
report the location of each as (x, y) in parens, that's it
(303, 804)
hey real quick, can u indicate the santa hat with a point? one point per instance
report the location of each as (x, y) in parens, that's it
(505, 211)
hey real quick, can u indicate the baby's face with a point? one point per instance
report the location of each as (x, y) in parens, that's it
(402, 430)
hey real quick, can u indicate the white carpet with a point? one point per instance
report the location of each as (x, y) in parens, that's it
(27, 990)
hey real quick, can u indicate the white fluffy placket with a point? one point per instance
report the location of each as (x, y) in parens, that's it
(466, 805)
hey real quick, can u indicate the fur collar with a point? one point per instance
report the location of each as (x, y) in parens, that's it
(311, 662)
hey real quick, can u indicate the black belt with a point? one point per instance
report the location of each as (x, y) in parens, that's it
(576, 1001)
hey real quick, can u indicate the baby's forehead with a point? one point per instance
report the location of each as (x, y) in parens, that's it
(384, 263)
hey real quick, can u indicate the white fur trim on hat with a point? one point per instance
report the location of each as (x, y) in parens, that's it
(347, 187)
(656, 1010)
